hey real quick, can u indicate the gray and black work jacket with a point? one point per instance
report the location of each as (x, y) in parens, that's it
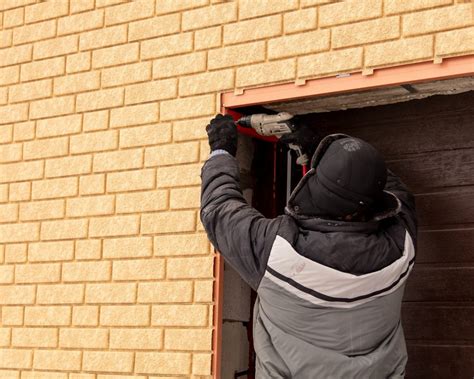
(329, 292)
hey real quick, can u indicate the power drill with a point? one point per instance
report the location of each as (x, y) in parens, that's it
(275, 125)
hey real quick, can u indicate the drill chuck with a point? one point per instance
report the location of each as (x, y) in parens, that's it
(268, 125)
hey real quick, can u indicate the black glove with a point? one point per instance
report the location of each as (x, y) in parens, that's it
(305, 137)
(222, 134)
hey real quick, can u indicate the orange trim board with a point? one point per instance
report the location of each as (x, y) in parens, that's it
(384, 77)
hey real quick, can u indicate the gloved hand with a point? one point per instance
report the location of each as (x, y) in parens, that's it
(222, 133)
(306, 137)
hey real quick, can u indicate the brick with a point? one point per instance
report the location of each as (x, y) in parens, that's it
(30, 91)
(206, 83)
(15, 55)
(56, 106)
(236, 55)
(21, 171)
(32, 33)
(346, 60)
(300, 21)
(41, 210)
(208, 38)
(85, 315)
(46, 148)
(96, 120)
(179, 65)
(103, 37)
(46, 10)
(252, 30)
(48, 315)
(15, 295)
(142, 202)
(24, 131)
(5, 337)
(5, 38)
(3, 199)
(60, 294)
(130, 180)
(190, 129)
(128, 247)
(6, 276)
(249, 8)
(92, 184)
(179, 268)
(15, 253)
(203, 291)
(13, 18)
(110, 293)
(43, 375)
(118, 160)
(202, 364)
(400, 6)
(154, 27)
(8, 213)
(16, 358)
(77, 83)
(309, 3)
(349, 11)
(214, 15)
(34, 337)
(19, 232)
(151, 91)
(116, 76)
(55, 47)
(6, 131)
(12, 316)
(114, 226)
(68, 166)
(81, 6)
(52, 188)
(20, 191)
(64, 229)
(138, 269)
(108, 3)
(92, 142)
(88, 249)
(168, 6)
(3, 96)
(86, 271)
(179, 315)
(59, 126)
(168, 222)
(145, 135)
(182, 198)
(455, 42)
(266, 72)
(38, 273)
(165, 292)
(108, 361)
(10, 374)
(63, 360)
(188, 339)
(115, 55)
(186, 175)
(186, 152)
(125, 315)
(9, 75)
(42, 69)
(83, 338)
(165, 46)
(405, 50)
(136, 339)
(10, 153)
(163, 363)
(187, 108)
(435, 20)
(129, 12)
(298, 44)
(90, 206)
(134, 115)
(12, 113)
(78, 62)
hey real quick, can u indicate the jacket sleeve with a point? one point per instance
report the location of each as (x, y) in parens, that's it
(239, 232)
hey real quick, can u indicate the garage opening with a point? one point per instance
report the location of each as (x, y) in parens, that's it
(425, 131)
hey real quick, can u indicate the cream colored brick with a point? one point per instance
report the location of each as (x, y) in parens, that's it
(96, 120)
(15, 295)
(184, 244)
(81, 6)
(63, 360)
(182, 198)
(86, 271)
(43, 375)
(163, 363)
(21, 171)
(203, 291)
(168, 222)
(114, 226)
(46, 10)
(455, 42)
(20, 191)
(179, 65)
(206, 83)
(349, 11)
(202, 364)
(138, 269)
(12, 315)
(130, 180)
(46, 148)
(136, 339)
(88, 249)
(186, 152)
(142, 202)
(111, 293)
(15, 55)
(134, 115)
(42, 69)
(113, 376)
(77, 83)
(309, 3)
(64, 229)
(186, 175)
(242, 54)
(300, 21)
(92, 142)
(83, 338)
(208, 38)
(400, 6)
(55, 47)
(132, 73)
(85, 315)
(5, 38)
(250, 8)
(9, 75)
(10, 153)
(24, 131)
(168, 6)
(68, 166)
(252, 30)
(15, 253)
(60, 294)
(42, 210)
(188, 339)
(128, 247)
(129, 12)
(13, 17)
(56, 106)
(190, 129)
(145, 135)
(118, 160)
(165, 292)
(8, 212)
(90, 206)
(3, 199)
(12, 113)
(38, 273)
(180, 268)
(266, 72)
(214, 15)
(78, 62)
(125, 315)
(16, 358)
(92, 184)
(405, 50)
(108, 3)
(103, 37)
(165, 46)
(3, 96)
(346, 60)
(30, 91)
(438, 19)
(298, 44)
(6, 131)
(58, 126)
(115, 55)
(6, 277)
(154, 27)
(48, 315)
(52, 188)
(112, 361)
(32, 33)
(179, 315)
(19, 232)
(151, 91)
(188, 107)
(34, 337)
(5, 337)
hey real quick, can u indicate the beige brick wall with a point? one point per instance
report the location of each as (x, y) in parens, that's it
(105, 271)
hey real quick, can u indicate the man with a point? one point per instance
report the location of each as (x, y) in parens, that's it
(330, 273)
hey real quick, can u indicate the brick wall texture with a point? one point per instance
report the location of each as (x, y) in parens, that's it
(105, 270)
